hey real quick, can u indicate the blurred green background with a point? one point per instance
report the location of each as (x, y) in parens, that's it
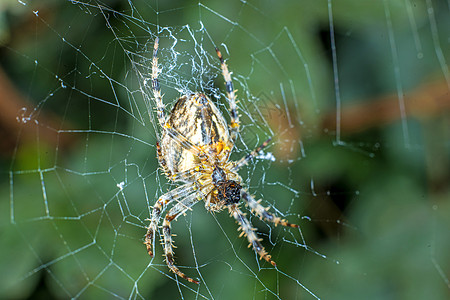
(80, 174)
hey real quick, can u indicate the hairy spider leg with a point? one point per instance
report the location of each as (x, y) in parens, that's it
(160, 108)
(243, 161)
(250, 233)
(180, 192)
(162, 161)
(231, 98)
(173, 213)
(156, 88)
(181, 176)
(262, 211)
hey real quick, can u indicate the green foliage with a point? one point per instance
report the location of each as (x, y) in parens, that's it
(373, 207)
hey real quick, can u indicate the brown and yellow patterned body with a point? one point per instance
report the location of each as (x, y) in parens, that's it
(201, 123)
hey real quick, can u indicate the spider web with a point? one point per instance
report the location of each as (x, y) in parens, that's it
(366, 180)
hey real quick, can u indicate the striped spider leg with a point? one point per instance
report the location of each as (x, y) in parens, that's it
(249, 231)
(234, 126)
(261, 211)
(173, 195)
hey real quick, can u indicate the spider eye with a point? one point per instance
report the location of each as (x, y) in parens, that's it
(230, 192)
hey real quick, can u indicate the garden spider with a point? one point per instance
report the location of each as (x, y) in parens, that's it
(194, 149)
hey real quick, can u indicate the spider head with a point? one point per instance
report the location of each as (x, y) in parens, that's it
(229, 191)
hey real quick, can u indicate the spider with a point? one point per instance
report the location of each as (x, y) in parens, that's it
(194, 150)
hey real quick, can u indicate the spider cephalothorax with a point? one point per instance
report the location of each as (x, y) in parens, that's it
(228, 191)
(194, 150)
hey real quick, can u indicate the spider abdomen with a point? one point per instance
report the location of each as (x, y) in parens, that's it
(198, 120)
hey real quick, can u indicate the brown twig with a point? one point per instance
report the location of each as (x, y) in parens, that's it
(427, 101)
(18, 125)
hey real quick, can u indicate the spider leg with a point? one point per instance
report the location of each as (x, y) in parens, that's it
(162, 119)
(243, 161)
(162, 161)
(231, 97)
(156, 88)
(164, 200)
(249, 231)
(174, 212)
(262, 212)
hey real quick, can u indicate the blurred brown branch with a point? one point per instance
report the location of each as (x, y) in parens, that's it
(427, 101)
(14, 131)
